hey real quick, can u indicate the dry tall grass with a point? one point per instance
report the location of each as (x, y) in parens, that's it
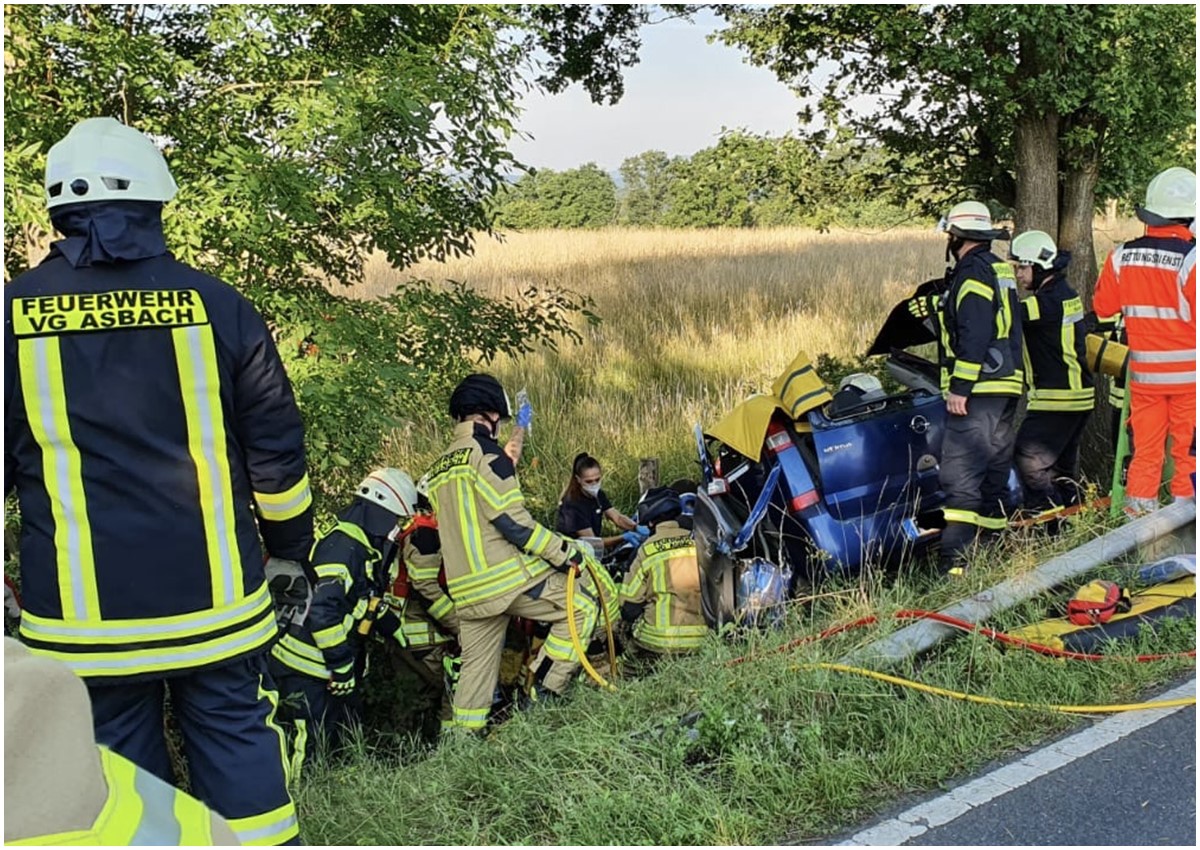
(692, 323)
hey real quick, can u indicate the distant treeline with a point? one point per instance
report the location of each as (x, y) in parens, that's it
(745, 180)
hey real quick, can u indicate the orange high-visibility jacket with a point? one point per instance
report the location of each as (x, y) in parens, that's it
(1152, 281)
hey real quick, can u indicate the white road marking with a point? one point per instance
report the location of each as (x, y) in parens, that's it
(953, 804)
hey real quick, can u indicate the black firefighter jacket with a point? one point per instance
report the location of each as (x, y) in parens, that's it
(151, 434)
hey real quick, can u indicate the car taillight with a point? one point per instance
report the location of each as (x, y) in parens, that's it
(804, 500)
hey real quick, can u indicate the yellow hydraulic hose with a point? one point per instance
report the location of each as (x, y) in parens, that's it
(579, 648)
(1066, 709)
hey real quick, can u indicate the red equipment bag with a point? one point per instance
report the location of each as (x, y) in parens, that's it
(1097, 602)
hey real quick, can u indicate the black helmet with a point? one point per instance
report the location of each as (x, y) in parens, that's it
(657, 505)
(479, 393)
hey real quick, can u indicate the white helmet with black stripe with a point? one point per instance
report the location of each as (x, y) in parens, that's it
(391, 489)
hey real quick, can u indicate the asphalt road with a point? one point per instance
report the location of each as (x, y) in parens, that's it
(1129, 779)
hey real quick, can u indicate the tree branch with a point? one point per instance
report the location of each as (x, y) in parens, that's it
(225, 89)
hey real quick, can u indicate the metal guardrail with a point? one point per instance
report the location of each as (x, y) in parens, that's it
(925, 634)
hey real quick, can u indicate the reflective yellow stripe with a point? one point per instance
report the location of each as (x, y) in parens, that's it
(1032, 308)
(272, 698)
(299, 746)
(139, 660)
(267, 829)
(967, 371)
(334, 635)
(494, 582)
(469, 718)
(283, 506)
(44, 392)
(671, 637)
(177, 628)
(973, 287)
(338, 572)
(1012, 385)
(290, 655)
(1061, 400)
(440, 608)
(200, 390)
(301, 648)
(563, 649)
(973, 518)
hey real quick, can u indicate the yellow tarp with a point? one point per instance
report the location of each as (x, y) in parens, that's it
(798, 389)
(1050, 632)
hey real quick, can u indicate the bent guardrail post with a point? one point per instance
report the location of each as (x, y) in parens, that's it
(925, 634)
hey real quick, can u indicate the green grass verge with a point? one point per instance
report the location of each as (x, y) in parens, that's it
(780, 750)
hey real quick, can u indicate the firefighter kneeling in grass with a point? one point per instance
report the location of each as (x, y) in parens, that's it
(318, 665)
(661, 592)
(420, 616)
(499, 562)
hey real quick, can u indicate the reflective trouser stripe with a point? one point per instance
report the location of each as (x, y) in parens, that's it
(470, 718)
(200, 391)
(299, 748)
(272, 697)
(44, 393)
(267, 829)
(563, 649)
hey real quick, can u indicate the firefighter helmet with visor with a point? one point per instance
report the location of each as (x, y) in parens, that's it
(101, 159)
(392, 489)
(1033, 248)
(1171, 195)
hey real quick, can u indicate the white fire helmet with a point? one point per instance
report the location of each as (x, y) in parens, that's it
(101, 159)
(391, 488)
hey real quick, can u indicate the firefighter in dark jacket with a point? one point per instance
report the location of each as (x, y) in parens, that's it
(151, 436)
(319, 665)
(1062, 392)
(982, 379)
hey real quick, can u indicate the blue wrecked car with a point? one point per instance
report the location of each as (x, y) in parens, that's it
(803, 483)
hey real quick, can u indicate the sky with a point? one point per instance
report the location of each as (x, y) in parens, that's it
(677, 99)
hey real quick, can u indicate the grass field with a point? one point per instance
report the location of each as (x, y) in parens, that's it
(692, 322)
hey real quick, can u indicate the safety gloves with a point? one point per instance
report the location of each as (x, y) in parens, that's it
(341, 682)
(919, 307)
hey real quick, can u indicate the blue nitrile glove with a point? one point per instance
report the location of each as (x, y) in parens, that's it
(633, 538)
(525, 415)
(644, 531)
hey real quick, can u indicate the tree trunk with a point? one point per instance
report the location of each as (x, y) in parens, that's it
(1036, 147)
(1075, 230)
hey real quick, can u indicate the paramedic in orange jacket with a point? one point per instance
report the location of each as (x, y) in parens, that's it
(1152, 281)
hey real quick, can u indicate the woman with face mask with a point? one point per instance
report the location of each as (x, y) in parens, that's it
(584, 505)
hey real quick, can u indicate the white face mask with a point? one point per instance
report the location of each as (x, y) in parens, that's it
(592, 490)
